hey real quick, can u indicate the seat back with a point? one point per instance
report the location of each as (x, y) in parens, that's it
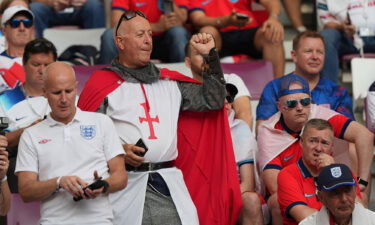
(63, 38)
(363, 72)
(21, 213)
(255, 74)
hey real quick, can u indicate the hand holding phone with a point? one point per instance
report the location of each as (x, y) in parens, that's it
(97, 184)
(141, 144)
(242, 16)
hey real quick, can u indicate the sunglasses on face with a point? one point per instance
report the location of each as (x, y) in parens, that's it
(294, 102)
(14, 23)
(128, 15)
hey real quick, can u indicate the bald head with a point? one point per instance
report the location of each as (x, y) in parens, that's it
(134, 41)
(60, 89)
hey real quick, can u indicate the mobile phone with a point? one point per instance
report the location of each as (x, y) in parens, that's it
(98, 183)
(168, 6)
(242, 16)
(141, 144)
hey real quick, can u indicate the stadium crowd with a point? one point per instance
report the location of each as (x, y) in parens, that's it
(147, 145)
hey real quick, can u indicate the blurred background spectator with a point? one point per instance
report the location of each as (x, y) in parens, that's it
(84, 13)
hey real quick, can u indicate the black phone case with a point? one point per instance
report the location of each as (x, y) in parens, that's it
(141, 144)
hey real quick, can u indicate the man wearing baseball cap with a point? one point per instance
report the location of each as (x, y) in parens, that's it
(284, 128)
(336, 190)
(18, 28)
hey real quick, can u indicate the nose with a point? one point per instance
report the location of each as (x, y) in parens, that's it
(299, 106)
(148, 38)
(63, 97)
(41, 69)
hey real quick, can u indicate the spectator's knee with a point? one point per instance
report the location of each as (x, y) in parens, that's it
(251, 201)
(107, 36)
(178, 33)
(39, 8)
(93, 5)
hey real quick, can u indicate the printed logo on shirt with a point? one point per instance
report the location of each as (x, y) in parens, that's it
(309, 195)
(88, 132)
(20, 118)
(233, 1)
(288, 158)
(140, 4)
(206, 2)
(44, 141)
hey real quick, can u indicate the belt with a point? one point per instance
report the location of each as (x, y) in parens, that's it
(149, 166)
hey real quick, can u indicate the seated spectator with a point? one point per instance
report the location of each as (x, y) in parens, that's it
(169, 36)
(245, 148)
(17, 24)
(236, 30)
(308, 57)
(349, 26)
(3, 6)
(336, 191)
(4, 188)
(18, 29)
(284, 129)
(296, 188)
(241, 104)
(84, 13)
(30, 106)
(60, 156)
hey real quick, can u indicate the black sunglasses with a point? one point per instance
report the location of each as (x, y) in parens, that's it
(293, 102)
(128, 15)
(14, 23)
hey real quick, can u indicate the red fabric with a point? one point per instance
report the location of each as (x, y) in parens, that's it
(218, 8)
(14, 74)
(206, 158)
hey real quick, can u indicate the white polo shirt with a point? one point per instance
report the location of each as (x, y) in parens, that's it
(53, 149)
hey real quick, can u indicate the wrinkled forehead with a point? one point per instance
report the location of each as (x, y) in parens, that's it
(133, 25)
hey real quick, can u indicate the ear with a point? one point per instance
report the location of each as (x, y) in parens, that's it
(119, 44)
(279, 106)
(293, 54)
(188, 62)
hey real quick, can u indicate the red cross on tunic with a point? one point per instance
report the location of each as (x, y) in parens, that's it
(149, 120)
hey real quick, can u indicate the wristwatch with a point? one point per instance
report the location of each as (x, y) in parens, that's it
(58, 184)
(362, 181)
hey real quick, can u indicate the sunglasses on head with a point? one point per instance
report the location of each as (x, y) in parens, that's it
(128, 15)
(294, 102)
(14, 23)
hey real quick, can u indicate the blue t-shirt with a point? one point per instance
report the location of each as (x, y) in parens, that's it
(326, 92)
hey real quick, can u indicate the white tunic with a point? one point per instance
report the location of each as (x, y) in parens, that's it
(127, 107)
(360, 216)
(53, 149)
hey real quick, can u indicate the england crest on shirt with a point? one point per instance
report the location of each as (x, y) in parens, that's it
(88, 132)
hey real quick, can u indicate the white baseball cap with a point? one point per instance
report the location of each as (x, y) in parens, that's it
(12, 11)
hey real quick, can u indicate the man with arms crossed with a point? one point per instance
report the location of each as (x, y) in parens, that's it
(70, 149)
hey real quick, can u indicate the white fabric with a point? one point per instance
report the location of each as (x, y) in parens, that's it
(2, 43)
(126, 110)
(236, 80)
(337, 11)
(26, 112)
(362, 15)
(52, 149)
(360, 216)
(371, 107)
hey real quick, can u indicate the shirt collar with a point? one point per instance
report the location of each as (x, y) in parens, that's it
(305, 172)
(77, 117)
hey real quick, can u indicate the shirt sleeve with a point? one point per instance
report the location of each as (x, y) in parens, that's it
(289, 192)
(344, 103)
(27, 158)
(267, 102)
(239, 84)
(323, 12)
(121, 5)
(274, 164)
(339, 123)
(207, 96)
(112, 144)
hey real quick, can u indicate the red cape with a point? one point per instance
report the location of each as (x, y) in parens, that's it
(205, 151)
